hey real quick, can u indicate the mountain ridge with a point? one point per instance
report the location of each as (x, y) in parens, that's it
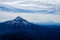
(17, 29)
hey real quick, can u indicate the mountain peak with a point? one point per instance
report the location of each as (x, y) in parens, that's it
(18, 21)
(18, 18)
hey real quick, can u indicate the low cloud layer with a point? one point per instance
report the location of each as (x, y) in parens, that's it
(31, 17)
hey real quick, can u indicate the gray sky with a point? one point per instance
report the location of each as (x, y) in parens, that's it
(33, 5)
(45, 1)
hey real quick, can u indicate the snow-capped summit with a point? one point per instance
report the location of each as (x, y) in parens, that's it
(19, 20)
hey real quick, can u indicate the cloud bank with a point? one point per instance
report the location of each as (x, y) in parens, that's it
(31, 10)
(37, 6)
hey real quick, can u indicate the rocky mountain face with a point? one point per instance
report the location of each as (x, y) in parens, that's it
(18, 27)
(21, 29)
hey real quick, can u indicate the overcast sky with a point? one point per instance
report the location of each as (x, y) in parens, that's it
(35, 6)
(50, 5)
(45, 1)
